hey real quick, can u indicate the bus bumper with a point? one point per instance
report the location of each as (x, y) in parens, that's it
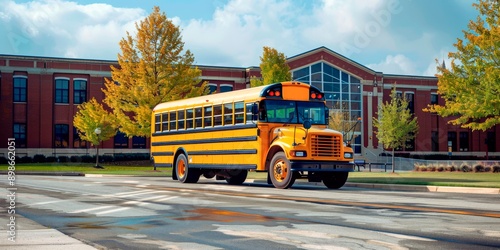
(322, 166)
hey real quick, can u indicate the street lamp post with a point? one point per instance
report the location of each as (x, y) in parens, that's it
(97, 131)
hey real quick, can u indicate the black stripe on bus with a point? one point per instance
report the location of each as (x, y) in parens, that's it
(201, 130)
(224, 166)
(163, 165)
(162, 153)
(224, 152)
(200, 141)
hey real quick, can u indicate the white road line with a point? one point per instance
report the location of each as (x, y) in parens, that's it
(46, 202)
(142, 193)
(90, 209)
(167, 198)
(112, 210)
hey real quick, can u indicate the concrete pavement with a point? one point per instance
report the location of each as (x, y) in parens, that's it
(32, 235)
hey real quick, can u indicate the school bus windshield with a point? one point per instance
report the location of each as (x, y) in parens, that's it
(292, 112)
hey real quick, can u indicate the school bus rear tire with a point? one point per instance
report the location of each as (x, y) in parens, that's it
(183, 172)
(335, 180)
(237, 177)
(280, 171)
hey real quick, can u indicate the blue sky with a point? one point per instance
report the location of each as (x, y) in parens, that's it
(392, 36)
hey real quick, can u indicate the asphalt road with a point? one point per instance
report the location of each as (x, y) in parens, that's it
(158, 213)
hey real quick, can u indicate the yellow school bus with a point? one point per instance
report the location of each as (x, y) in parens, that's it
(279, 128)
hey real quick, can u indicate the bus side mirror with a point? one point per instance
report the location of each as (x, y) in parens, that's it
(307, 123)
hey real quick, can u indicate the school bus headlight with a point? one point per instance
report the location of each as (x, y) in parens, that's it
(298, 153)
(348, 155)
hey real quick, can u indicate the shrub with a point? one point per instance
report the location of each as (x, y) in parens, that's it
(465, 168)
(62, 158)
(75, 158)
(24, 159)
(87, 159)
(106, 158)
(496, 169)
(478, 168)
(50, 159)
(39, 158)
(440, 169)
(487, 169)
(431, 168)
(451, 168)
(423, 169)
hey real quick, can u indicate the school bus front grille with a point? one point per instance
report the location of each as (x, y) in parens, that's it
(325, 146)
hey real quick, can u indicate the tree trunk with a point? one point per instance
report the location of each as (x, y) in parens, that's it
(393, 167)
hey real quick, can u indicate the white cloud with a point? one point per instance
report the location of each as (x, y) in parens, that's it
(398, 64)
(237, 32)
(66, 29)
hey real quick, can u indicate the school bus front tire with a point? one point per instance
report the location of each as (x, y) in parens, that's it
(183, 172)
(280, 171)
(335, 180)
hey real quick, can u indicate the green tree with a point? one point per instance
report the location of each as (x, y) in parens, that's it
(273, 68)
(153, 68)
(90, 116)
(395, 124)
(471, 86)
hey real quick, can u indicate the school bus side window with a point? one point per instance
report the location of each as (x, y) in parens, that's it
(228, 114)
(217, 115)
(207, 120)
(189, 118)
(164, 121)
(239, 113)
(180, 119)
(157, 123)
(198, 122)
(248, 112)
(172, 120)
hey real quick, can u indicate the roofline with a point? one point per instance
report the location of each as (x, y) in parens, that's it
(337, 55)
(409, 76)
(58, 58)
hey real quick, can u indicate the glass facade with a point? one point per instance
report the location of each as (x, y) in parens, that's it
(342, 93)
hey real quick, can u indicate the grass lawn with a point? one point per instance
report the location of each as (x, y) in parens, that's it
(409, 178)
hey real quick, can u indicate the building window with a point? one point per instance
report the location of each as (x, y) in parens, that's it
(61, 135)
(435, 141)
(138, 142)
(62, 91)
(226, 88)
(79, 91)
(452, 139)
(212, 88)
(20, 134)
(434, 98)
(121, 140)
(20, 88)
(77, 141)
(464, 141)
(410, 98)
(491, 142)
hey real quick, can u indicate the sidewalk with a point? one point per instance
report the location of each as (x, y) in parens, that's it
(31, 235)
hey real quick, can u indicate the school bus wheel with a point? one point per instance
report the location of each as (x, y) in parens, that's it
(280, 171)
(183, 172)
(335, 180)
